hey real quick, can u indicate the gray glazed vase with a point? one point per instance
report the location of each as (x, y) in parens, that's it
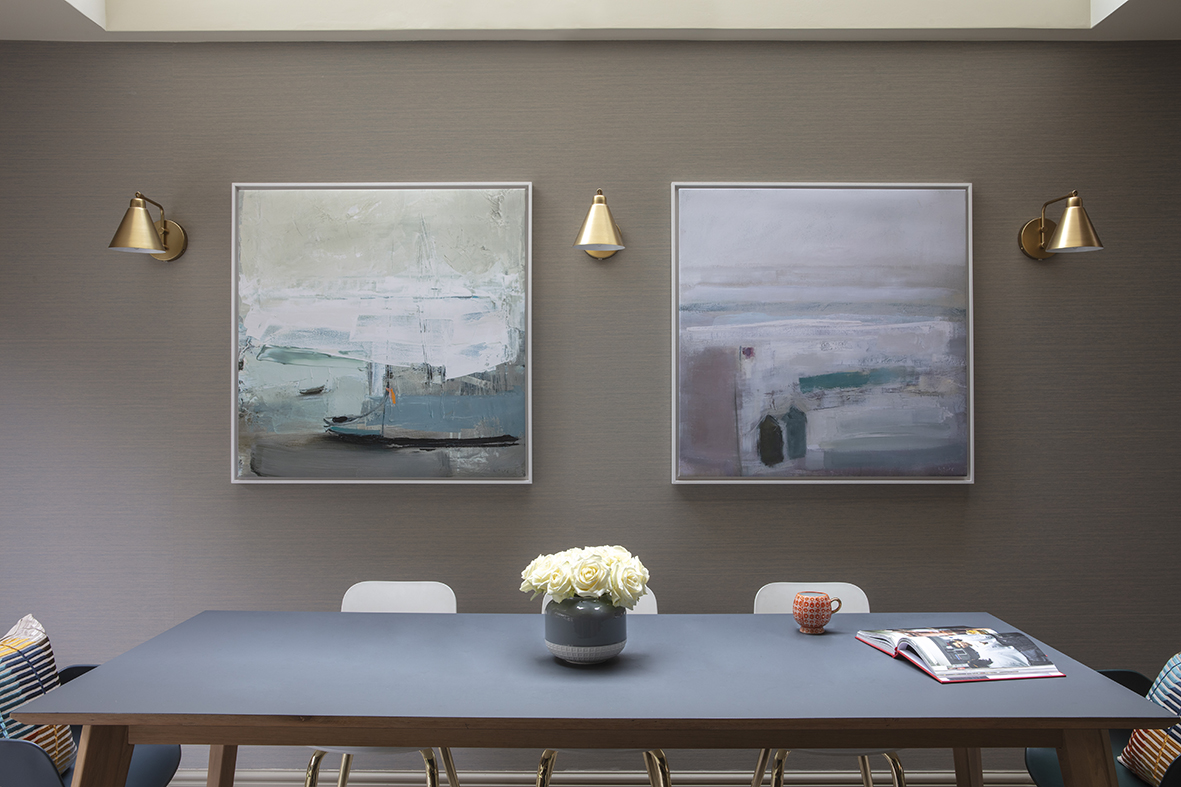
(585, 630)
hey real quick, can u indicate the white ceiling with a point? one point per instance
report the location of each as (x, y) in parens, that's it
(320, 20)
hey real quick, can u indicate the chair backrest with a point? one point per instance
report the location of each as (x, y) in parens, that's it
(777, 597)
(67, 674)
(645, 605)
(25, 763)
(377, 596)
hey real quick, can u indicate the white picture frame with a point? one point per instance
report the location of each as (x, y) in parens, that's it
(822, 333)
(382, 333)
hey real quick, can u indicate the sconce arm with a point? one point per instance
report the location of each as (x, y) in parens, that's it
(1042, 227)
(162, 218)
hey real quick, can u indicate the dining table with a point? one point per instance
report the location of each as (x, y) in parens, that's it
(683, 681)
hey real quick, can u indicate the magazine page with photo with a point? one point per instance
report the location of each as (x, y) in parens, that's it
(961, 653)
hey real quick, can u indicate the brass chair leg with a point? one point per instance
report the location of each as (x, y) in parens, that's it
(866, 771)
(653, 770)
(449, 766)
(346, 765)
(896, 771)
(665, 773)
(545, 767)
(313, 773)
(761, 767)
(432, 768)
(777, 769)
(657, 766)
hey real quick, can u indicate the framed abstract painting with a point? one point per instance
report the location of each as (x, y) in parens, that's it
(382, 333)
(822, 333)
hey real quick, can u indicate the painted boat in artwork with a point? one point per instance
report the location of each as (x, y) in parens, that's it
(434, 421)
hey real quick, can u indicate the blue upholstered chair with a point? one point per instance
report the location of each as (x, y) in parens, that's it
(1042, 764)
(25, 764)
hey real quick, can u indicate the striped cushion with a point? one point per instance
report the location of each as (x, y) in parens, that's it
(27, 670)
(1149, 753)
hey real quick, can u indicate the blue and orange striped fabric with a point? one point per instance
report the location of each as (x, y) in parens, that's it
(27, 670)
(1149, 753)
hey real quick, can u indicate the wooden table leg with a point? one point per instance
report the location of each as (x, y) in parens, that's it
(1086, 759)
(222, 760)
(104, 755)
(969, 768)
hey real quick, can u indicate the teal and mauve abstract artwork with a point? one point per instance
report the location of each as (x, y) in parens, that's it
(382, 333)
(822, 333)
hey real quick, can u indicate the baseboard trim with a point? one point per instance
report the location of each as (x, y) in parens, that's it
(292, 778)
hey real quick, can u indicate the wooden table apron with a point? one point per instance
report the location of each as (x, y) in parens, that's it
(684, 681)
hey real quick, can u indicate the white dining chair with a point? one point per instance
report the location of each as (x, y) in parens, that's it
(777, 598)
(395, 597)
(655, 763)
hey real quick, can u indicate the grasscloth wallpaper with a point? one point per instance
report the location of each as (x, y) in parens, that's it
(117, 512)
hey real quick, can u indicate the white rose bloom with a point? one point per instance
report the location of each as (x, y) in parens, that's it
(590, 575)
(629, 581)
(536, 575)
(560, 583)
(568, 556)
(590, 572)
(616, 554)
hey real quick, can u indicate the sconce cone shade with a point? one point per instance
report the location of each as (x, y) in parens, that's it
(1075, 231)
(600, 236)
(138, 232)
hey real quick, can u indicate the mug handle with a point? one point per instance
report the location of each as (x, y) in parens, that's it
(837, 608)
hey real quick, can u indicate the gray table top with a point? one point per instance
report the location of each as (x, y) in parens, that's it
(487, 666)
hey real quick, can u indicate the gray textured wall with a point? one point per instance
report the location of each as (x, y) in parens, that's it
(117, 514)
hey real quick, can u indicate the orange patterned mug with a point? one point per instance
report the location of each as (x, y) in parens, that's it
(813, 609)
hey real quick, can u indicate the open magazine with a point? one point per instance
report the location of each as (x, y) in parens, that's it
(951, 654)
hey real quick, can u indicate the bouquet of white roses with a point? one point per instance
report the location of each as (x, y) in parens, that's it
(588, 572)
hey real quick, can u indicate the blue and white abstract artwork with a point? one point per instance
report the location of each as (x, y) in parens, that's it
(822, 333)
(382, 333)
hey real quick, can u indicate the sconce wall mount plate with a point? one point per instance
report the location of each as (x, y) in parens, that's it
(1030, 240)
(175, 240)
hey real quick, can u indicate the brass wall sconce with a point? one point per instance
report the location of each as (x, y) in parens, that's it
(1073, 233)
(165, 240)
(600, 236)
